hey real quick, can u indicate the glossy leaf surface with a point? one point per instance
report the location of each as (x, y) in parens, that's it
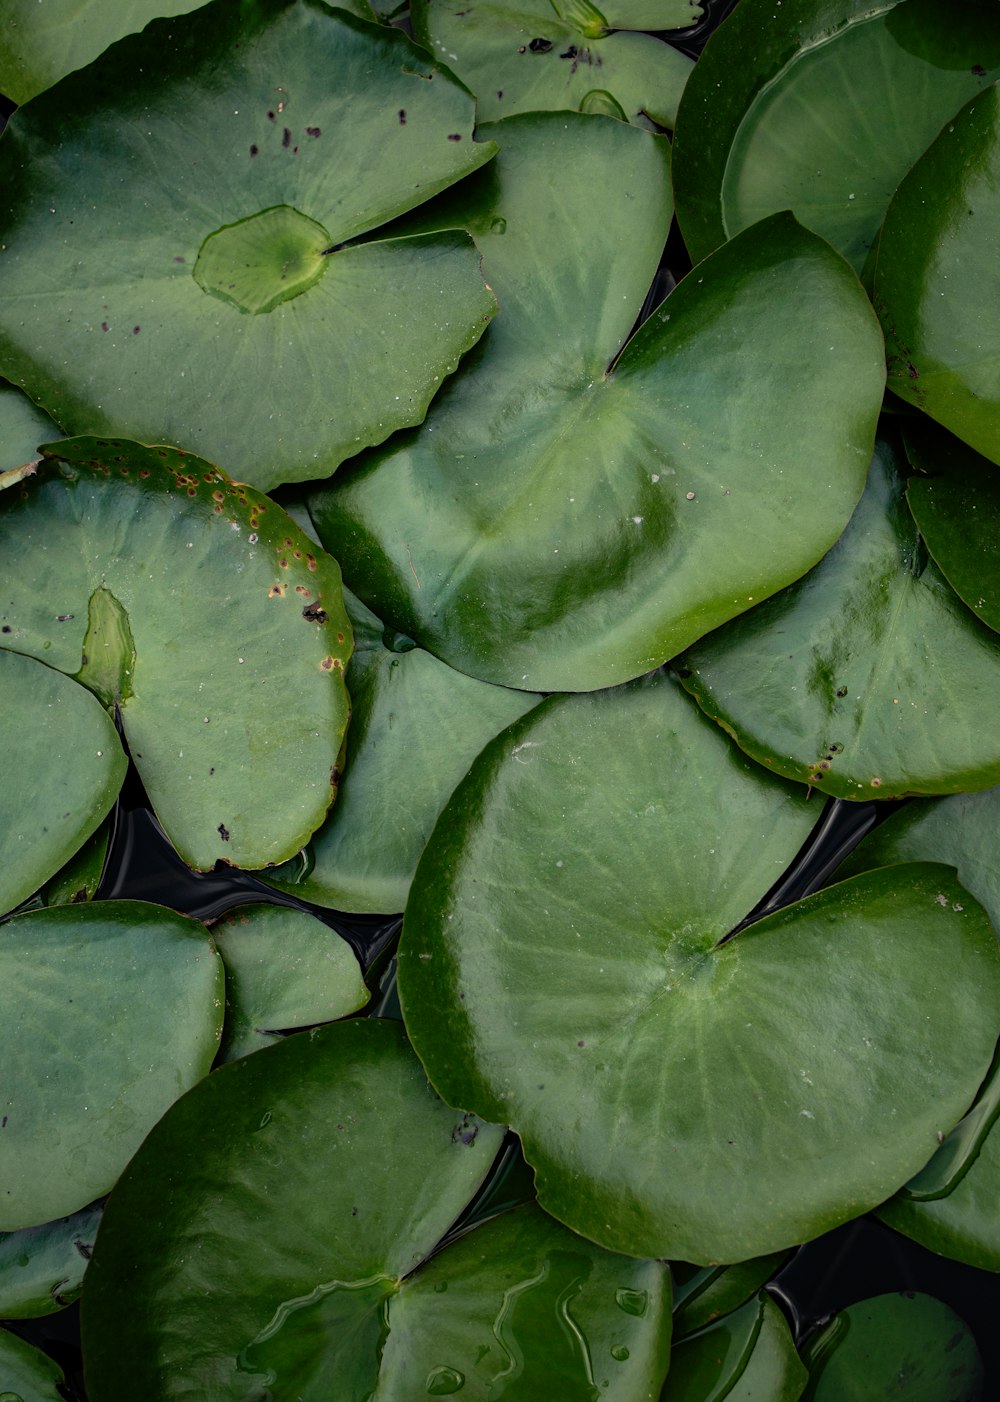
(957, 509)
(821, 107)
(533, 55)
(843, 680)
(63, 767)
(42, 1268)
(937, 282)
(284, 969)
(112, 1011)
(910, 1347)
(416, 726)
(210, 169)
(124, 563)
(559, 525)
(747, 1356)
(701, 1296)
(299, 1186)
(561, 969)
(27, 1374)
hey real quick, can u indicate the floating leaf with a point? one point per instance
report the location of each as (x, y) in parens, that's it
(844, 681)
(936, 280)
(821, 107)
(297, 1187)
(536, 55)
(42, 1268)
(559, 525)
(910, 1347)
(564, 968)
(284, 969)
(63, 766)
(957, 508)
(701, 1296)
(200, 611)
(416, 726)
(27, 1374)
(80, 878)
(112, 1010)
(747, 1356)
(201, 178)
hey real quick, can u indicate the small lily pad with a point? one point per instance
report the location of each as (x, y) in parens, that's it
(112, 1010)
(284, 969)
(42, 1268)
(747, 1356)
(27, 1374)
(702, 1295)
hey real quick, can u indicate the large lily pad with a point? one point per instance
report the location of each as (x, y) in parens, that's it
(112, 1010)
(564, 967)
(199, 611)
(957, 508)
(557, 524)
(284, 969)
(821, 107)
(870, 678)
(535, 55)
(937, 283)
(201, 178)
(416, 726)
(63, 767)
(303, 1187)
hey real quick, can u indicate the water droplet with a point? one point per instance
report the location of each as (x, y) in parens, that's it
(632, 1301)
(498, 226)
(619, 1353)
(444, 1381)
(441, 1287)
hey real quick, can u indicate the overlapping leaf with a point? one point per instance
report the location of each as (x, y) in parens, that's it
(821, 107)
(868, 679)
(557, 524)
(196, 178)
(564, 967)
(746, 1355)
(112, 1010)
(42, 1268)
(196, 608)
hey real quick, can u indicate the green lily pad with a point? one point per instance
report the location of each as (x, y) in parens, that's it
(844, 680)
(747, 1356)
(959, 1217)
(112, 1011)
(80, 878)
(910, 1347)
(656, 1072)
(27, 1374)
(559, 525)
(702, 1295)
(957, 508)
(42, 1268)
(296, 1187)
(203, 177)
(22, 428)
(198, 610)
(284, 969)
(63, 766)
(772, 116)
(536, 55)
(936, 280)
(416, 726)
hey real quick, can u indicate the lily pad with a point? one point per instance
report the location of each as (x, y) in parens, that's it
(702, 1295)
(416, 726)
(821, 107)
(42, 1268)
(202, 178)
(957, 508)
(112, 1011)
(845, 680)
(910, 1347)
(657, 1072)
(80, 878)
(22, 428)
(936, 279)
(747, 1356)
(297, 1186)
(557, 524)
(536, 55)
(284, 969)
(63, 768)
(28, 1374)
(199, 611)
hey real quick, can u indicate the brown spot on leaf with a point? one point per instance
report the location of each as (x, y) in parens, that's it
(286, 137)
(313, 131)
(328, 664)
(223, 832)
(277, 591)
(314, 613)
